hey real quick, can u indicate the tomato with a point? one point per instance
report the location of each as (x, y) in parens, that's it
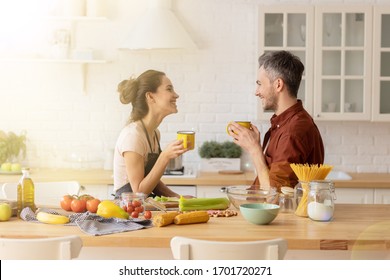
(148, 215)
(78, 205)
(139, 209)
(136, 203)
(86, 197)
(65, 202)
(92, 205)
(134, 214)
(130, 209)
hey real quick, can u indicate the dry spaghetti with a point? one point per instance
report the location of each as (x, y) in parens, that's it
(306, 173)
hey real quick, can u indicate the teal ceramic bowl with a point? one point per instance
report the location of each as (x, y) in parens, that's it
(259, 213)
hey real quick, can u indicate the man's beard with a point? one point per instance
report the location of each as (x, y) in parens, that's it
(271, 104)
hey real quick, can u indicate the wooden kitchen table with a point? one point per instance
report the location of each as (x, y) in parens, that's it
(354, 227)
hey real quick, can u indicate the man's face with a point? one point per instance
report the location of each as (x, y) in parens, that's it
(266, 91)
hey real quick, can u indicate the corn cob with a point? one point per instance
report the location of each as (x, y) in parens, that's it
(192, 218)
(164, 219)
(48, 218)
(191, 204)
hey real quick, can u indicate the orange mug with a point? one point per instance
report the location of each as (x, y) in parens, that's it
(246, 124)
(188, 138)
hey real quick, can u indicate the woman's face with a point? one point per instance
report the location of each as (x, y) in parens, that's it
(165, 97)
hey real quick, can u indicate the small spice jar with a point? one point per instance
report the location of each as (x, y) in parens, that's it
(286, 200)
(133, 202)
(320, 201)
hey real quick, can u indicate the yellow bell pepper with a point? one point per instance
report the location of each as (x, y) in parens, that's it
(108, 209)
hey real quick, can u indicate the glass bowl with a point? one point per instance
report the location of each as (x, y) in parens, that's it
(244, 194)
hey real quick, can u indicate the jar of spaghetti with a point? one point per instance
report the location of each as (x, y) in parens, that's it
(302, 191)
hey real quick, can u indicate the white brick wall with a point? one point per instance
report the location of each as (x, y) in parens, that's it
(215, 83)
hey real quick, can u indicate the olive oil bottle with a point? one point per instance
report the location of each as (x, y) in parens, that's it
(25, 192)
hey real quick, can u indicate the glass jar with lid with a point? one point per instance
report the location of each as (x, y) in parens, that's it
(320, 203)
(286, 200)
(133, 202)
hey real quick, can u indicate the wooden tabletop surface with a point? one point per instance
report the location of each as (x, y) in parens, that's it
(354, 227)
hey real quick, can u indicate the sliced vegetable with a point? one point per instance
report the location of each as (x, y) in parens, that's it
(165, 198)
(190, 204)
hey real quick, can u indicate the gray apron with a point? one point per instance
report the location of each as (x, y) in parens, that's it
(152, 158)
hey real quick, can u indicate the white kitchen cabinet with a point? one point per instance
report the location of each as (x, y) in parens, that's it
(343, 48)
(382, 196)
(381, 64)
(354, 195)
(210, 191)
(184, 190)
(289, 28)
(347, 76)
(102, 192)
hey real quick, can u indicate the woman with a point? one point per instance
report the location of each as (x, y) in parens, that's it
(139, 162)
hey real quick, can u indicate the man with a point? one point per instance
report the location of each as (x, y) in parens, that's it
(293, 136)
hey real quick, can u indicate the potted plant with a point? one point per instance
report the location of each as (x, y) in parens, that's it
(12, 149)
(216, 156)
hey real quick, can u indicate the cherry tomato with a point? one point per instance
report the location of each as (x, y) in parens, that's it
(65, 202)
(124, 207)
(134, 214)
(92, 205)
(78, 205)
(130, 209)
(147, 215)
(136, 203)
(139, 209)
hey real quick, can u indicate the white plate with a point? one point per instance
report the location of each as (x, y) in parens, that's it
(10, 172)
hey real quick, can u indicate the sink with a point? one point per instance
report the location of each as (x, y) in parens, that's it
(338, 175)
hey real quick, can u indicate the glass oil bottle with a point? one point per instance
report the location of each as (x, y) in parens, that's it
(25, 192)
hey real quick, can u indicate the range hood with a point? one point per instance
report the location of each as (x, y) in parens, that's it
(158, 28)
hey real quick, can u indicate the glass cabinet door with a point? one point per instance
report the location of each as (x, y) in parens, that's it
(290, 29)
(381, 78)
(343, 67)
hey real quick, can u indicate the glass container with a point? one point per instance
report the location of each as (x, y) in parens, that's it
(320, 202)
(133, 202)
(286, 203)
(302, 190)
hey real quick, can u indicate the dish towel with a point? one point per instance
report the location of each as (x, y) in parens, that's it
(93, 224)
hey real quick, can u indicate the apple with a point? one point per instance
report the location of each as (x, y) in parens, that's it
(6, 166)
(16, 167)
(5, 212)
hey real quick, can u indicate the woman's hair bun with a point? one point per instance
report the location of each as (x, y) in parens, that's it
(128, 90)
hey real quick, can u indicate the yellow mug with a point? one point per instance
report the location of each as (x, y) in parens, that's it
(246, 124)
(188, 138)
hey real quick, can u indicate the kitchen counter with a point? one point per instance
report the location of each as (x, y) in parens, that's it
(104, 177)
(355, 228)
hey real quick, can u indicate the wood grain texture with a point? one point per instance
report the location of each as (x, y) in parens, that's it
(104, 177)
(354, 227)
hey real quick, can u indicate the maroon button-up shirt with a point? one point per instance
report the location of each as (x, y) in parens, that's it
(292, 138)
